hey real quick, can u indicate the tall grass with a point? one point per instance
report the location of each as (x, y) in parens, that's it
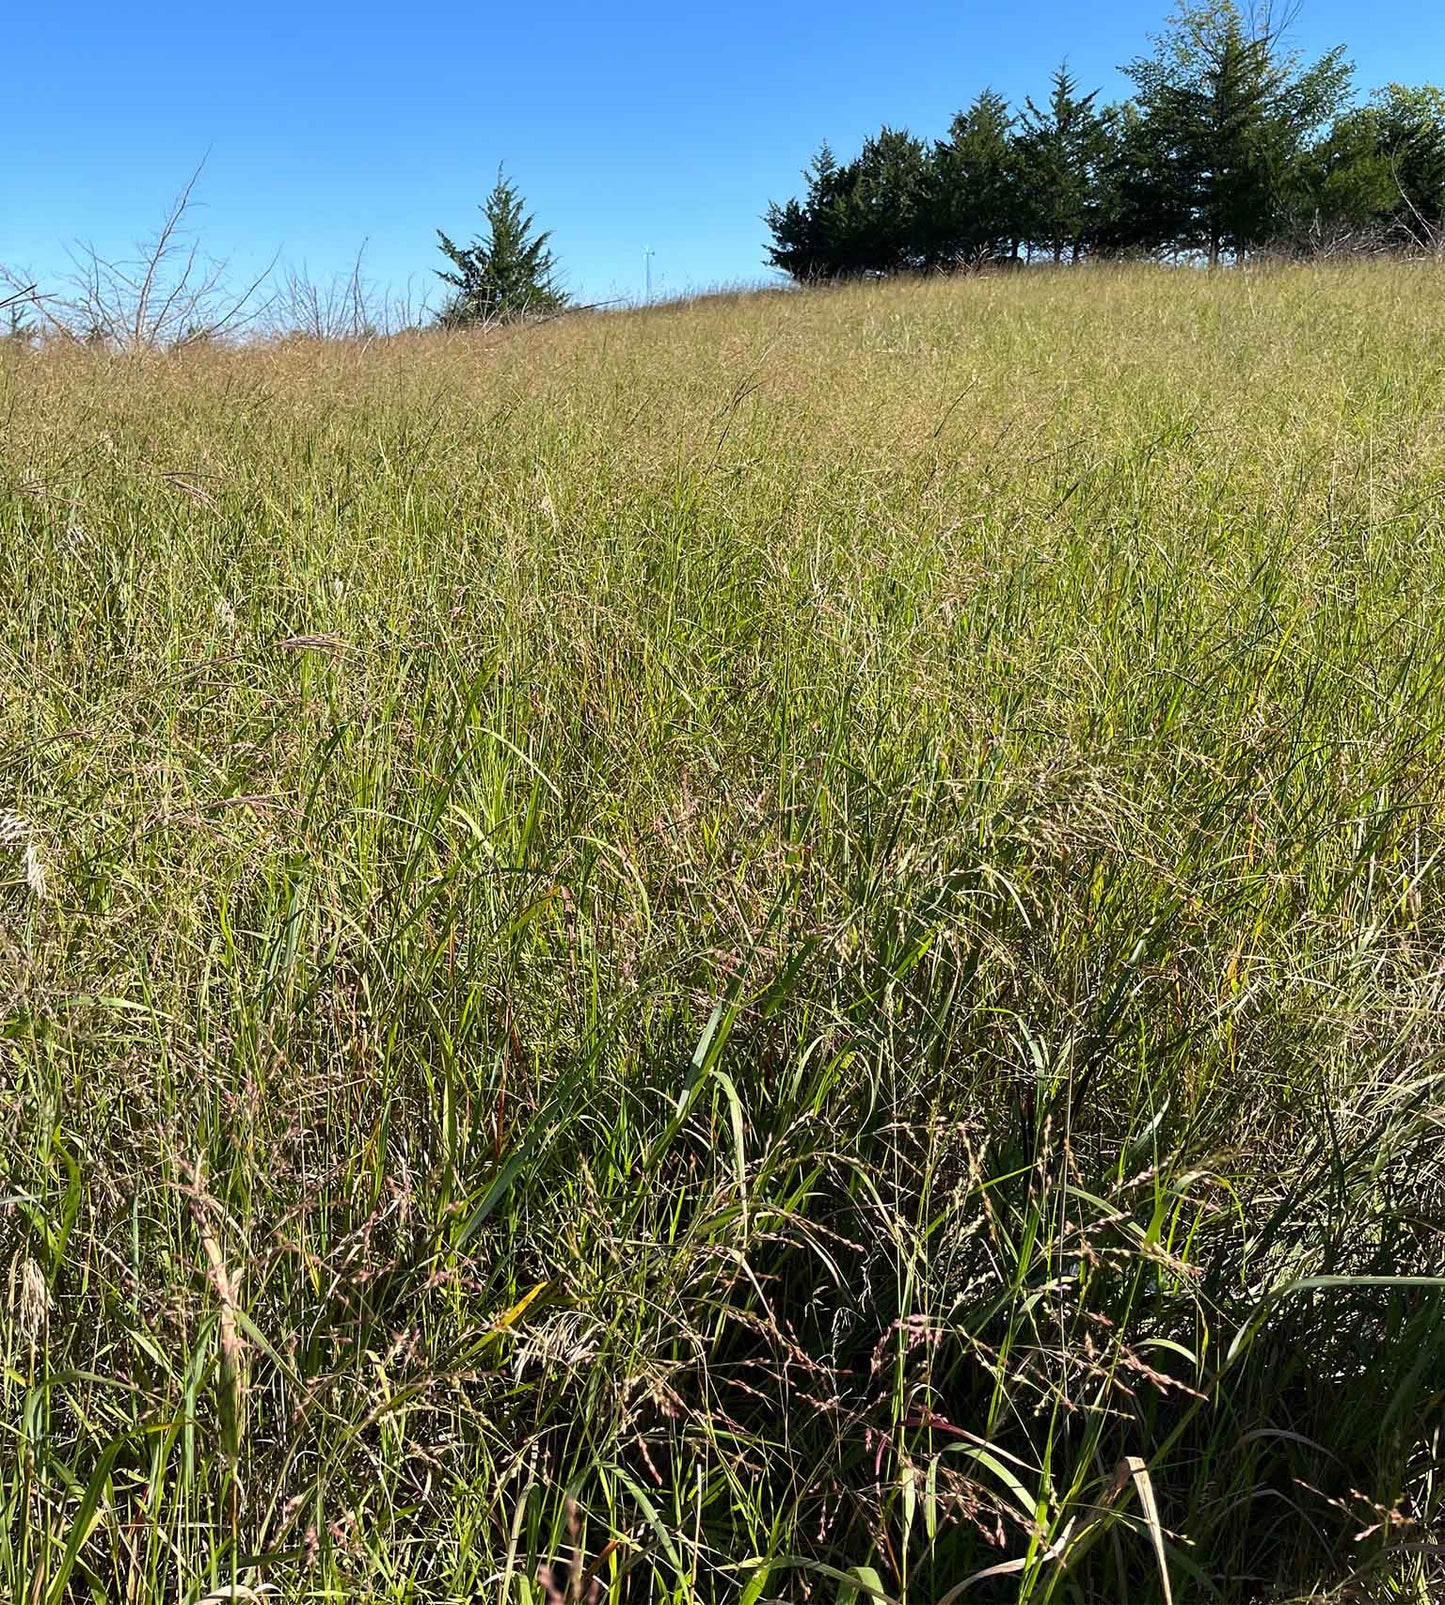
(780, 950)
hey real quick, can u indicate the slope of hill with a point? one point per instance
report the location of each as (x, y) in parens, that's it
(782, 948)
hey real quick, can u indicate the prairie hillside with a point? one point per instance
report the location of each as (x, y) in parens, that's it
(786, 948)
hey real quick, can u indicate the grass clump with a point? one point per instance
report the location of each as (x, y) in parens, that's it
(783, 950)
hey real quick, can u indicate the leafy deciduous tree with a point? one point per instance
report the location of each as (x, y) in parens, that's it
(1381, 168)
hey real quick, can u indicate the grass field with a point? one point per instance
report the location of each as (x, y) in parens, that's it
(786, 948)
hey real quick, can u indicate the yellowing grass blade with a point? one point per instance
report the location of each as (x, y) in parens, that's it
(510, 1317)
(1139, 1471)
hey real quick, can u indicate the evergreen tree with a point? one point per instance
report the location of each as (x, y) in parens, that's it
(801, 235)
(1228, 120)
(878, 220)
(507, 275)
(861, 217)
(1061, 154)
(1142, 207)
(975, 209)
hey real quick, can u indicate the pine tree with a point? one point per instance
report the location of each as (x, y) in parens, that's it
(863, 216)
(801, 236)
(877, 226)
(507, 275)
(1226, 120)
(975, 209)
(1231, 144)
(1142, 206)
(1062, 151)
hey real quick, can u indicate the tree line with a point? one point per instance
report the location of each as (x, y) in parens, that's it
(1231, 145)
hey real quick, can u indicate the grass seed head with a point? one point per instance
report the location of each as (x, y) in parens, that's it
(31, 1300)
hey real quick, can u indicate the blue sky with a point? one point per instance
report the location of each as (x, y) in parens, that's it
(671, 126)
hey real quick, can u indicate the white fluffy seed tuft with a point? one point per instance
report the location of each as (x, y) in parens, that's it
(16, 834)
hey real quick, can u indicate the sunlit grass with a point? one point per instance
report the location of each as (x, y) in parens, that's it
(690, 955)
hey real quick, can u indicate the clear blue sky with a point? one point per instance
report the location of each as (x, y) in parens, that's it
(667, 125)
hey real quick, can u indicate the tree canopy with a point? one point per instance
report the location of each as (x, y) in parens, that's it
(1230, 144)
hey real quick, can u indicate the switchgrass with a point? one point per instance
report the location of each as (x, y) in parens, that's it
(783, 949)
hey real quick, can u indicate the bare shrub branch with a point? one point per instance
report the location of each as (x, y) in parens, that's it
(169, 294)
